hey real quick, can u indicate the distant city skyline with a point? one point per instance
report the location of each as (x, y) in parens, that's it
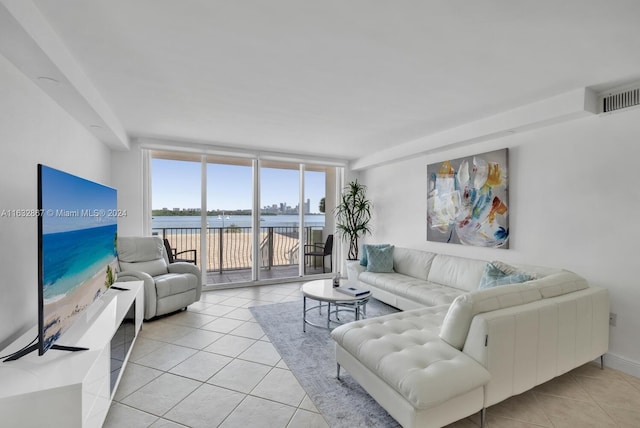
(282, 208)
(176, 184)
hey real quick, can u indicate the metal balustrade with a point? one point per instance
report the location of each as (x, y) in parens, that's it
(229, 248)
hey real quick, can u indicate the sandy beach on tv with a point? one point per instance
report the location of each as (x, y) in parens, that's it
(62, 312)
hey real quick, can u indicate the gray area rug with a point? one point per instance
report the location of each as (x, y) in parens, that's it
(311, 358)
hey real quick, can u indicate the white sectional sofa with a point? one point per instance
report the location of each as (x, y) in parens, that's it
(457, 349)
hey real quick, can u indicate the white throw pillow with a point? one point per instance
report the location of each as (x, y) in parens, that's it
(455, 326)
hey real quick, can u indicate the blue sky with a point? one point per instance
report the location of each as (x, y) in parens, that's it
(72, 203)
(176, 184)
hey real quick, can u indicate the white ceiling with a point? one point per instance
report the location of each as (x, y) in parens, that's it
(337, 78)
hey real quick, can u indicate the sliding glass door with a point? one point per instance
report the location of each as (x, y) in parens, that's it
(248, 219)
(316, 236)
(279, 220)
(176, 209)
(229, 219)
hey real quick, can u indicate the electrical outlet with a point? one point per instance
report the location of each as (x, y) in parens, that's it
(613, 319)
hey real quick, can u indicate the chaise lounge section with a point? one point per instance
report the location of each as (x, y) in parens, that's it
(462, 348)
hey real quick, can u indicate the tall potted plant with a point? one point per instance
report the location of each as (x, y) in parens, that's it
(353, 214)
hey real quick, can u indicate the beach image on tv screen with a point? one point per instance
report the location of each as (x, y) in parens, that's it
(78, 248)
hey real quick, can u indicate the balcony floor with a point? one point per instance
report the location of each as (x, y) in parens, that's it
(244, 275)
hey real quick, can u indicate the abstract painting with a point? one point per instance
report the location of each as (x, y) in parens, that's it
(467, 200)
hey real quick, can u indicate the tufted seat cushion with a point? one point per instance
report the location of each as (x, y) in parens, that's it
(424, 292)
(405, 351)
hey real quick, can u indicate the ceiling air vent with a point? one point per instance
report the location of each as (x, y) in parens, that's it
(613, 102)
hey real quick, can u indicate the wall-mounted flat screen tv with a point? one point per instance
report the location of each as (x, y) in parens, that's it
(77, 232)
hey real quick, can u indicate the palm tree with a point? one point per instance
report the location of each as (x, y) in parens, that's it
(353, 214)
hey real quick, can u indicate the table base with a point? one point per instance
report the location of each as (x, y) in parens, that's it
(359, 307)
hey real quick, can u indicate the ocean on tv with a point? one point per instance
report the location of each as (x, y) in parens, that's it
(73, 257)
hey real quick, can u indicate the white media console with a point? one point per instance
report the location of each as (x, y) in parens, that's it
(74, 389)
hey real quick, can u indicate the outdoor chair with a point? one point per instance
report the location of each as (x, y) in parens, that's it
(319, 250)
(172, 254)
(168, 287)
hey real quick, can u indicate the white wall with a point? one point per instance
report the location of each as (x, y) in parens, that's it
(128, 172)
(574, 203)
(33, 129)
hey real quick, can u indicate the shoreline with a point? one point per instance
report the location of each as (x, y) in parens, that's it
(102, 263)
(159, 222)
(62, 313)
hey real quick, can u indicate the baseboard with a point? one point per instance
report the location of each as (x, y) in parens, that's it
(615, 362)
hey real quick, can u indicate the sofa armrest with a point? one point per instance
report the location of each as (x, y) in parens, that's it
(184, 267)
(548, 337)
(354, 269)
(150, 296)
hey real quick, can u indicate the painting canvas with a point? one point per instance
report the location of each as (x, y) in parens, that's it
(467, 201)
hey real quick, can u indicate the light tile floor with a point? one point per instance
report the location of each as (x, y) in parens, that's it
(212, 366)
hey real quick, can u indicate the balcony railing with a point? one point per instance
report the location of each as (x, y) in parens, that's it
(229, 248)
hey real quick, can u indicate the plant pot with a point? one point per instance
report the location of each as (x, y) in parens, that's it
(353, 269)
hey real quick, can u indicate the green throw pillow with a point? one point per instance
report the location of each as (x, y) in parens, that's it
(380, 259)
(364, 259)
(494, 276)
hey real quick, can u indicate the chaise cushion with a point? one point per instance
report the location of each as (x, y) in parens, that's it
(404, 350)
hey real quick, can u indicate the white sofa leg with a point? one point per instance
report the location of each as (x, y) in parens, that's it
(338, 371)
(602, 362)
(483, 417)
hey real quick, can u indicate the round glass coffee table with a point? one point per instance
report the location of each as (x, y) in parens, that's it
(322, 291)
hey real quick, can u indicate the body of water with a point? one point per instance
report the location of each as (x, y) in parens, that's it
(160, 222)
(71, 258)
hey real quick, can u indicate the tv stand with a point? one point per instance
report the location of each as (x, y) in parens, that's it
(74, 389)
(32, 348)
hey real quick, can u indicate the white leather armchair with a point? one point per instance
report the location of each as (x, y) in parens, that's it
(168, 287)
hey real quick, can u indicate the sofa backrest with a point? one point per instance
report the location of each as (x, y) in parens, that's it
(456, 324)
(415, 263)
(142, 254)
(559, 283)
(457, 272)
